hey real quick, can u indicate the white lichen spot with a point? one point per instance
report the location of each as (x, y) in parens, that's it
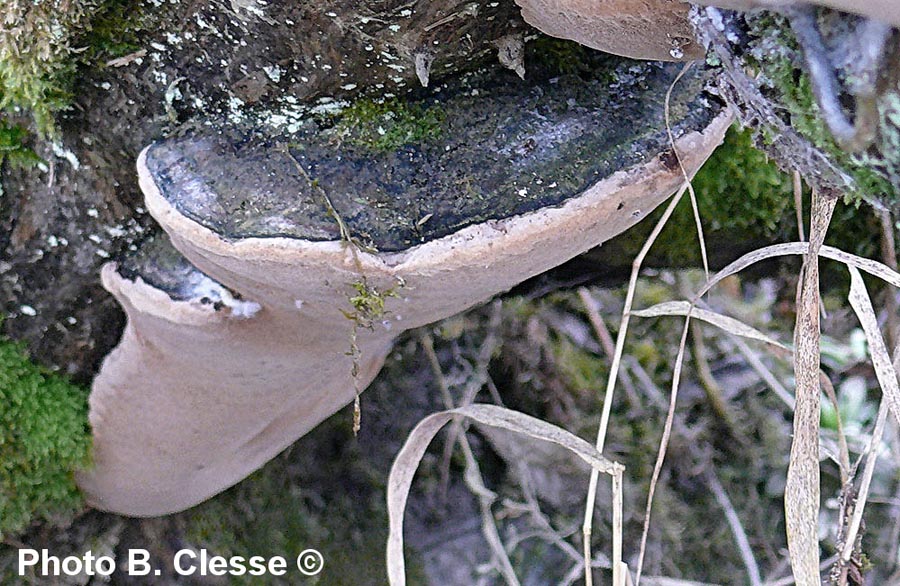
(349, 86)
(92, 212)
(423, 63)
(235, 114)
(28, 310)
(273, 72)
(60, 151)
(406, 12)
(200, 289)
(298, 303)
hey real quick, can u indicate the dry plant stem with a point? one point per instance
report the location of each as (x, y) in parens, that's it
(889, 257)
(865, 483)
(408, 459)
(614, 370)
(664, 442)
(798, 204)
(887, 379)
(737, 529)
(802, 487)
(694, 208)
(764, 372)
(600, 329)
(473, 477)
(844, 456)
(592, 309)
(476, 381)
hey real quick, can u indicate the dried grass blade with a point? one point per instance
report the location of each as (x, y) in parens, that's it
(881, 358)
(409, 457)
(613, 377)
(729, 324)
(873, 267)
(887, 380)
(801, 498)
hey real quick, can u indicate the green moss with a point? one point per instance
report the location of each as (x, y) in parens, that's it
(13, 149)
(774, 51)
(47, 42)
(389, 124)
(580, 368)
(44, 438)
(743, 198)
(740, 188)
(557, 56)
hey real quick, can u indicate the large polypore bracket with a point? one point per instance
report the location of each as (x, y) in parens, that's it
(219, 371)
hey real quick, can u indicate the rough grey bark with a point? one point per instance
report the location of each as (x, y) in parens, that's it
(262, 64)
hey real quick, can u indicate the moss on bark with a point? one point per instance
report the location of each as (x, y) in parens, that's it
(44, 438)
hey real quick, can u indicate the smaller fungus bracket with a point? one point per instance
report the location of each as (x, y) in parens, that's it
(640, 29)
(197, 395)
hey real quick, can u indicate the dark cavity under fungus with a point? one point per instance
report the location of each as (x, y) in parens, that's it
(504, 147)
(156, 261)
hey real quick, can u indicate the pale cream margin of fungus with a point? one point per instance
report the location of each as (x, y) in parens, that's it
(193, 399)
(658, 30)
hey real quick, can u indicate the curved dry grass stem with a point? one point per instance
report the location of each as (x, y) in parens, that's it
(618, 578)
(737, 529)
(694, 207)
(613, 375)
(890, 388)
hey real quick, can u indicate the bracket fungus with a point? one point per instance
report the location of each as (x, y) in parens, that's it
(640, 29)
(295, 252)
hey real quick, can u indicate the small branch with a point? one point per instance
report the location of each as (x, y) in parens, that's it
(737, 529)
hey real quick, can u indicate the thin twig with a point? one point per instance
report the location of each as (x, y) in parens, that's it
(737, 529)
(473, 477)
(764, 373)
(694, 207)
(613, 374)
(663, 444)
(591, 307)
(865, 482)
(798, 205)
